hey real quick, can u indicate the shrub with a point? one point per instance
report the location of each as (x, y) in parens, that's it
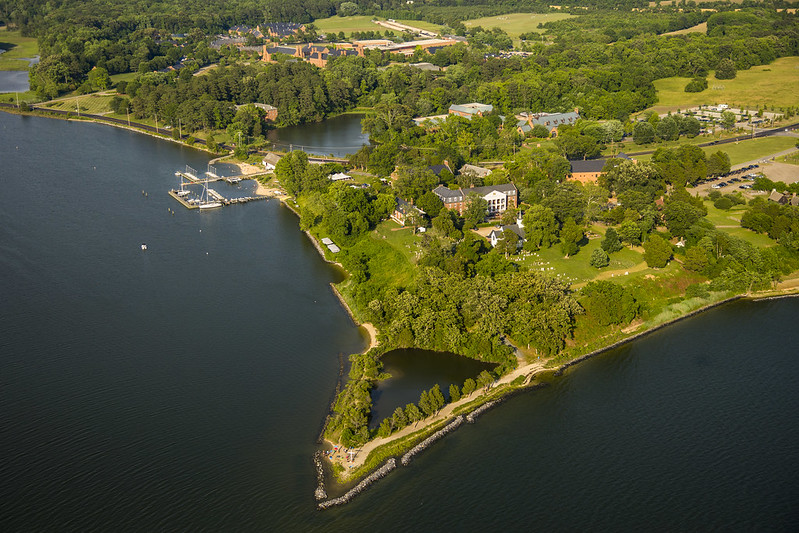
(599, 258)
(696, 85)
(723, 203)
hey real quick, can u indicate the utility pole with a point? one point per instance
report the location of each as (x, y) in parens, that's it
(156, 122)
(77, 105)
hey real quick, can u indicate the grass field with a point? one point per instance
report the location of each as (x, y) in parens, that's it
(126, 76)
(764, 85)
(17, 47)
(699, 28)
(730, 222)
(739, 152)
(361, 23)
(515, 24)
(576, 269)
(89, 103)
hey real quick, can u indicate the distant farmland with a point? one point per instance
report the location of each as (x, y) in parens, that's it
(514, 24)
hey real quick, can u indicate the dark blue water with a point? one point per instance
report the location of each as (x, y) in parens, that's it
(183, 388)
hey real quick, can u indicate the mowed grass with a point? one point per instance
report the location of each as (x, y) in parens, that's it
(89, 103)
(17, 47)
(730, 222)
(348, 25)
(577, 269)
(362, 23)
(764, 85)
(740, 152)
(514, 24)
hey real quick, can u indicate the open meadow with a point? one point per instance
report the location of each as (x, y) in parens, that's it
(362, 23)
(739, 152)
(514, 24)
(17, 47)
(772, 85)
(94, 104)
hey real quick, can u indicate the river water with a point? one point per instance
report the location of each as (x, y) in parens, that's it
(183, 388)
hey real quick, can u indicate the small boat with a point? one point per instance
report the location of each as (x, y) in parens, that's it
(143, 246)
(183, 192)
(210, 205)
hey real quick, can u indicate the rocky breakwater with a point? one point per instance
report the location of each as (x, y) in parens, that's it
(452, 426)
(320, 493)
(381, 472)
(471, 417)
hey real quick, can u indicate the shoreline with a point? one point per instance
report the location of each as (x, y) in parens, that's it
(451, 411)
(500, 394)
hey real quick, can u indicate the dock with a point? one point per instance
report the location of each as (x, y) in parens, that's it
(192, 203)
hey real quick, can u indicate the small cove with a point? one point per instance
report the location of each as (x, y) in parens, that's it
(413, 371)
(339, 136)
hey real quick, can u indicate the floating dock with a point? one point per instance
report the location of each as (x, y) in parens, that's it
(191, 203)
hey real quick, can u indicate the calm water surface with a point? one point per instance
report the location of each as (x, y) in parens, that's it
(183, 388)
(413, 371)
(12, 81)
(339, 136)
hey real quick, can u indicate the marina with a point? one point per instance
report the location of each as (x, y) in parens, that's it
(207, 198)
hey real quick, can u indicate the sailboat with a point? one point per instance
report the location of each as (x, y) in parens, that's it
(205, 203)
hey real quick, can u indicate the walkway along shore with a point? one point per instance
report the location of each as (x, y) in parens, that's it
(530, 371)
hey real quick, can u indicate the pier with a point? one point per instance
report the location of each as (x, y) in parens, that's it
(192, 203)
(209, 197)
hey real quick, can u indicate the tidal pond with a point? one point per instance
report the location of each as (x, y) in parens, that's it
(413, 371)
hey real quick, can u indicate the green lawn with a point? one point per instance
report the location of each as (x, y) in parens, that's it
(17, 47)
(514, 24)
(125, 76)
(576, 269)
(764, 85)
(348, 25)
(89, 103)
(732, 218)
(361, 23)
(740, 152)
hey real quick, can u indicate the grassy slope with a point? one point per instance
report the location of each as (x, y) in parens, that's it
(363, 23)
(17, 47)
(89, 103)
(730, 222)
(739, 152)
(764, 85)
(515, 24)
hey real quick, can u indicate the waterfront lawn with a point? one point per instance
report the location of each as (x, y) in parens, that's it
(763, 85)
(514, 24)
(18, 47)
(93, 104)
(390, 255)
